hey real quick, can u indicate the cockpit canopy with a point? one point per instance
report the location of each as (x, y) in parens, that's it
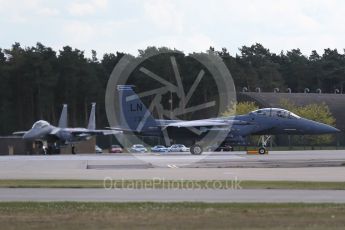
(40, 124)
(276, 112)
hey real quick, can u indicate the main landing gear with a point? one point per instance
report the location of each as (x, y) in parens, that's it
(196, 149)
(73, 150)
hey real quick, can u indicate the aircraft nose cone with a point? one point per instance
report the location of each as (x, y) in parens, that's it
(323, 128)
(333, 130)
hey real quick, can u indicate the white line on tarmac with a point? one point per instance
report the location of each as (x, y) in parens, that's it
(172, 166)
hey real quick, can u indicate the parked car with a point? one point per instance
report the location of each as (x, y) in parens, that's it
(178, 148)
(116, 149)
(98, 149)
(137, 149)
(159, 149)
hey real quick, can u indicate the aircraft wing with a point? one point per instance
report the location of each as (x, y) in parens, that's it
(203, 123)
(95, 132)
(109, 132)
(119, 129)
(181, 124)
(222, 124)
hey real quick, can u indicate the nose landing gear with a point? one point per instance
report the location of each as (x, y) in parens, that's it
(264, 140)
(262, 150)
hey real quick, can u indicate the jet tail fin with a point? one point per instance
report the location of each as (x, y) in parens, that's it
(92, 119)
(133, 113)
(63, 121)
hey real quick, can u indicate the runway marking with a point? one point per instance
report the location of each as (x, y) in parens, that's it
(172, 166)
(152, 154)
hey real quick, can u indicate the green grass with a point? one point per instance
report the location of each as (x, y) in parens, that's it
(74, 215)
(222, 184)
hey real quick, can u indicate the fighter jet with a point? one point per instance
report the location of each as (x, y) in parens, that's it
(62, 135)
(136, 118)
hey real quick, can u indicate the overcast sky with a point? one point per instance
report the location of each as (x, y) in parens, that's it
(188, 25)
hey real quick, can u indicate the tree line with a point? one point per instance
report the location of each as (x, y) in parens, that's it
(35, 81)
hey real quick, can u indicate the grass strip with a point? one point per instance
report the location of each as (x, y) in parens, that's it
(81, 215)
(172, 184)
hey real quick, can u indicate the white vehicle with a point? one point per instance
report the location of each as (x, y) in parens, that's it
(138, 149)
(178, 148)
(98, 149)
(159, 149)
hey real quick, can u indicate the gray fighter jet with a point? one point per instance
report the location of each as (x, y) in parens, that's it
(62, 135)
(135, 118)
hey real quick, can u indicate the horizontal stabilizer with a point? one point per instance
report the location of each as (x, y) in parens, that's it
(19, 133)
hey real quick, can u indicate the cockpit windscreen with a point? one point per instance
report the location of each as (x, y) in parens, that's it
(275, 112)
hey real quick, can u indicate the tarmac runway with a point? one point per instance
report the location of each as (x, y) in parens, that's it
(318, 165)
(283, 165)
(174, 195)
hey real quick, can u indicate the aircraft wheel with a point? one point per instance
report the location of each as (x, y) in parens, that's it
(262, 150)
(196, 150)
